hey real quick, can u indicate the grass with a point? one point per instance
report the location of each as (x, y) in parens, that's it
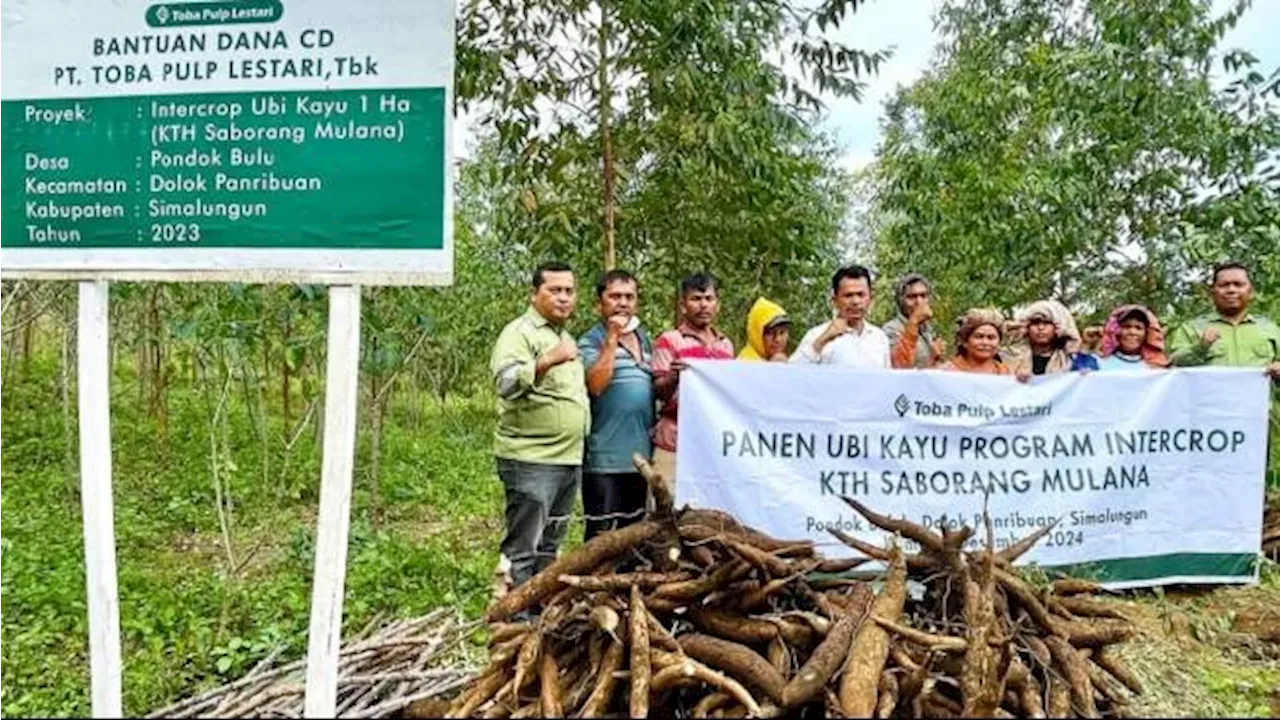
(190, 620)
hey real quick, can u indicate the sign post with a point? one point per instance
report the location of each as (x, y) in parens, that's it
(340, 403)
(271, 141)
(94, 396)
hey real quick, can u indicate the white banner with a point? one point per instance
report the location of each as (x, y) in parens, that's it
(1155, 477)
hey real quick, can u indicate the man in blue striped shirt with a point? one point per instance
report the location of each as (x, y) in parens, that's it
(617, 354)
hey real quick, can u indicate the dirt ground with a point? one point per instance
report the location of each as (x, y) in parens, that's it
(1207, 653)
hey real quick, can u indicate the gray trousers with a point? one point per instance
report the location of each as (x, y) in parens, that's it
(539, 502)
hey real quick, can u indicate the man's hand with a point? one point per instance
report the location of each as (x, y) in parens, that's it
(1209, 337)
(1092, 336)
(939, 348)
(1274, 371)
(677, 365)
(1023, 376)
(922, 314)
(615, 325)
(564, 352)
(838, 327)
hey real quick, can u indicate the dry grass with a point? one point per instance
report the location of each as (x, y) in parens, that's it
(1193, 657)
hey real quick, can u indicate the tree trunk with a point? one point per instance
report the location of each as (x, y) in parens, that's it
(606, 139)
(284, 374)
(159, 404)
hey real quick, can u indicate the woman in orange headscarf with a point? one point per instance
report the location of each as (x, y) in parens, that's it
(1132, 339)
(978, 343)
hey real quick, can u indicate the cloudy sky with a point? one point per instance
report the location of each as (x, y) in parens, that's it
(907, 25)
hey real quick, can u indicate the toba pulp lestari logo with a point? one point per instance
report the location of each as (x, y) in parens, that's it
(904, 406)
(224, 12)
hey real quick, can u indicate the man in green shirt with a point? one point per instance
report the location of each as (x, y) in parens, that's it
(543, 417)
(1231, 337)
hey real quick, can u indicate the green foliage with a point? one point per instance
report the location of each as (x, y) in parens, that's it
(189, 619)
(1079, 150)
(674, 119)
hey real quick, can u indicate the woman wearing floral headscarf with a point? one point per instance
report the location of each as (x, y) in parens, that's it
(1132, 339)
(1051, 343)
(978, 344)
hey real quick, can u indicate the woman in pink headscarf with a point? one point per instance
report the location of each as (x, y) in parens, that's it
(1132, 339)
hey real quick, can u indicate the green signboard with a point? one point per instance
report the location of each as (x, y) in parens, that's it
(251, 140)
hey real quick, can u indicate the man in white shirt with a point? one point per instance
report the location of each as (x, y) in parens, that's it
(848, 339)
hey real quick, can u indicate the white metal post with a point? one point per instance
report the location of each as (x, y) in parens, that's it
(340, 402)
(94, 394)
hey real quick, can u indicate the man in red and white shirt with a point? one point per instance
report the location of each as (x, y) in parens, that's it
(695, 338)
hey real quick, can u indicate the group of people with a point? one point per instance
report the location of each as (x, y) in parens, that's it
(573, 413)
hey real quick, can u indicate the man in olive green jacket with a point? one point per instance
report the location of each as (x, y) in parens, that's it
(1232, 336)
(543, 418)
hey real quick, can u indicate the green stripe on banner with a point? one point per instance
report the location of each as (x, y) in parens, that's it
(1157, 566)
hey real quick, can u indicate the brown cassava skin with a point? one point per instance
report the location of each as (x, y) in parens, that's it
(659, 636)
(1055, 606)
(738, 661)
(1072, 666)
(888, 699)
(479, 694)
(797, 634)
(579, 690)
(822, 665)
(1108, 660)
(865, 660)
(719, 521)
(527, 660)
(710, 703)
(780, 658)
(1075, 586)
(1032, 698)
(1110, 687)
(701, 587)
(602, 694)
(907, 529)
(946, 643)
(774, 566)
(1091, 608)
(640, 669)
(1096, 633)
(1059, 698)
(702, 555)
(914, 562)
(732, 626)
(982, 677)
(688, 669)
(662, 488)
(598, 549)
(505, 631)
(1020, 548)
(497, 711)
(549, 695)
(1040, 650)
(759, 597)
(839, 565)
(612, 583)
(1026, 598)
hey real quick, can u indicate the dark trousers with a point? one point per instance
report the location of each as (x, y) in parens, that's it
(539, 502)
(611, 501)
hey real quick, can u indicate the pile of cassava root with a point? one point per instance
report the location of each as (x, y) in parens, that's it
(691, 614)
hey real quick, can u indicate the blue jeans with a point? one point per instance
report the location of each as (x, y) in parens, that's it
(539, 502)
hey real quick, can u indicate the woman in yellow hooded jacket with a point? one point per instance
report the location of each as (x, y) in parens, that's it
(768, 330)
